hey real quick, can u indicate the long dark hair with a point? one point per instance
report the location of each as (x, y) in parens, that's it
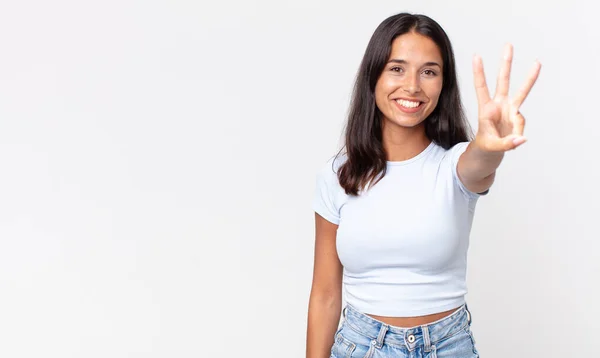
(446, 126)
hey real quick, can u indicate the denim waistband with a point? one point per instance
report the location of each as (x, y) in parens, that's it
(411, 337)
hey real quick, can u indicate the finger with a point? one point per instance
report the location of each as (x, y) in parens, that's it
(518, 124)
(524, 91)
(517, 141)
(502, 144)
(481, 89)
(512, 142)
(504, 74)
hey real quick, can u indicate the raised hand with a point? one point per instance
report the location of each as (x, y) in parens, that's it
(500, 122)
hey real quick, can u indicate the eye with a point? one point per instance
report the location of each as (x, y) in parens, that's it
(396, 69)
(429, 72)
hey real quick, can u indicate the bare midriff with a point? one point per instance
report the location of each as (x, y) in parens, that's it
(407, 322)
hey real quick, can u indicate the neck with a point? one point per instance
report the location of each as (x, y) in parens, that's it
(402, 143)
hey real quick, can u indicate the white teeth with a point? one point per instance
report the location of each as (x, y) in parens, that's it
(407, 104)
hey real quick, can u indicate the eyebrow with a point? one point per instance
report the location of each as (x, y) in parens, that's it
(404, 62)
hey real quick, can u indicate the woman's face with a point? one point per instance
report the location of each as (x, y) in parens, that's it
(411, 82)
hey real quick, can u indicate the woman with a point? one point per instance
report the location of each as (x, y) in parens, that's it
(394, 211)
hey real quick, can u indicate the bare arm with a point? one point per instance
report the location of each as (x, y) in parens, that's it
(325, 302)
(477, 168)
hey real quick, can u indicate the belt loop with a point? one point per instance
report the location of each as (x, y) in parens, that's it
(426, 339)
(382, 331)
(469, 319)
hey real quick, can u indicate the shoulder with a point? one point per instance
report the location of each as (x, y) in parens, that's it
(458, 148)
(329, 195)
(451, 154)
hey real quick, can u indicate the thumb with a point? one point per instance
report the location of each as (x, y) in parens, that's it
(513, 141)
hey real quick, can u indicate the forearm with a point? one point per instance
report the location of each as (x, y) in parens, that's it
(323, 319)
(479, 164)
(477, 167)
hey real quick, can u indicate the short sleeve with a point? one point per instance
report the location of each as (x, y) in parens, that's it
(455, 153)
(324, 201)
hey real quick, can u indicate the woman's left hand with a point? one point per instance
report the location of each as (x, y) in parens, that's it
(500, 122)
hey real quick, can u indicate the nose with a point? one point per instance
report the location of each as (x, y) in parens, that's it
(412, 84)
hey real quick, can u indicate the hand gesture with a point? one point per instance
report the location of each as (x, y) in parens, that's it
(500, 122)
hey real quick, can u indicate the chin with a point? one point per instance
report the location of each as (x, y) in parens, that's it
(407, 122)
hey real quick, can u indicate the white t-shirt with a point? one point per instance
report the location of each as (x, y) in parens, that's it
(403, 242)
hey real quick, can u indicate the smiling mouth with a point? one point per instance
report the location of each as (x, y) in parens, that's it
(408, 104)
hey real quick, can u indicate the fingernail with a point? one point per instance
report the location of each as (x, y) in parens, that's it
(519, 140)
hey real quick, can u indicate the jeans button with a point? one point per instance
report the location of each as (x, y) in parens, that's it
(411, 339)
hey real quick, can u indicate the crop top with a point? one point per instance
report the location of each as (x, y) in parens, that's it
(402, 242)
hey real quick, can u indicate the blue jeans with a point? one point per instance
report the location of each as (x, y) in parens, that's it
(361, 336)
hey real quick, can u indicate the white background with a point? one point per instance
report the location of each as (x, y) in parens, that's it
(158, 158)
